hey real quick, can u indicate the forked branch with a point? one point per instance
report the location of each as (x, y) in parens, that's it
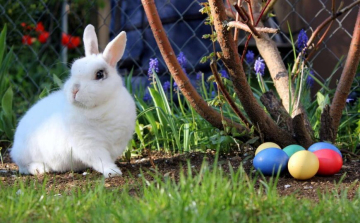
(231, 60)
(347, 78)
(184, 84)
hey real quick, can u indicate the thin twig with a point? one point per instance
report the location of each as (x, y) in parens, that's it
(236, 31)
(151, 159)
(240, 25)
(257, 22)
(246, 19)
(227, 95)
(270, 7)
(184, 84)
(318, 43)
(319, 28)
(250, 11)
(229, 5)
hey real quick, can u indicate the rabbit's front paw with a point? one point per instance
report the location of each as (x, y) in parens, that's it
(37, 168)
(112, 172)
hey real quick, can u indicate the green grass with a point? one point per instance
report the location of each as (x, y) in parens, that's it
(209, 196)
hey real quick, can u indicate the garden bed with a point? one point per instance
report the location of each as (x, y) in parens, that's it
(170, 166)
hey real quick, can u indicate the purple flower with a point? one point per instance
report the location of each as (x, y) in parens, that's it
(224, 74)
(310, 80)
(182, 60)
(153, 65)
(215, 86)
(302, 40)
(249, 57)
(147, 96)
(198, 76)
(175, 85)
(259, 66)
(166, 85)
(213, 94)
(352, 98)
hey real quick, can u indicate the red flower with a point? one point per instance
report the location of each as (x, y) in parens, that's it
(25, 26)
(26, 40)
(39, 27)
(69, 41)
(43, 36)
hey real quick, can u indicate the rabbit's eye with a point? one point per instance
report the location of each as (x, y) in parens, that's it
(100, 74)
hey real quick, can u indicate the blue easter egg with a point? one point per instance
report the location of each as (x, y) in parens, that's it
(323, 145)
(269, 161)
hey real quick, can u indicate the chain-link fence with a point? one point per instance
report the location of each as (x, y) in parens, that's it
(46, 35)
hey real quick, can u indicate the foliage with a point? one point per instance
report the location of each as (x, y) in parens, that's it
(167, 122)
(7, 115)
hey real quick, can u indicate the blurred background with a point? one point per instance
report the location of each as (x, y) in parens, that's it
(46, 36)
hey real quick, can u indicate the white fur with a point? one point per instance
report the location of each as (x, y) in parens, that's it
(89, 128)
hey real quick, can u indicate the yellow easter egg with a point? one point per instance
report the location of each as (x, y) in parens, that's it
(266, 145)
(303, 165)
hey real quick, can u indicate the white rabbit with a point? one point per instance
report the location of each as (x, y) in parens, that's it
(88, 123)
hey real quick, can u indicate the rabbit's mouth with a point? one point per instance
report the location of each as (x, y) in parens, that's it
(79, 104)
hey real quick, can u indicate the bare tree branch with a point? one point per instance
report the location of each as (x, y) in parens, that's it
(347, 77)
(321, 27)
(240, 25)
(227, 95)
(231, 60)
(184, 84)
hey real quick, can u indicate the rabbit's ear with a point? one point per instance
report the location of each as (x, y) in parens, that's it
(115, 49)
(90, 41)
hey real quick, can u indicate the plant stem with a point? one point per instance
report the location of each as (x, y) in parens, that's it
(227, 95)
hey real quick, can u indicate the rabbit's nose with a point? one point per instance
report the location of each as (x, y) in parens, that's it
(75, 89)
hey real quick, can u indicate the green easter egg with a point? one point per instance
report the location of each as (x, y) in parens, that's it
(291, 149)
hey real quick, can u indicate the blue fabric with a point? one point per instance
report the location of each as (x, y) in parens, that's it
(183, 24)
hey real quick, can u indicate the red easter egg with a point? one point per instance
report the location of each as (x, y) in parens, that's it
(330, 162)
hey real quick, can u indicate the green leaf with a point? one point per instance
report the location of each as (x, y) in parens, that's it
(2, 42)
(253, 140)
(128, 79)
(44, 93)
(8, 126)
(357, 130)
(4, 66)
(320, 99)
(57, 81)
(6, 103)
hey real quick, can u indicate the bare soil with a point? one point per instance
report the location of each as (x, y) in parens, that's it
(170, 166)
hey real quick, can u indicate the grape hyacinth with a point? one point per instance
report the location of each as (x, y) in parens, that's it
(302, 40)
(166, 85)
(213, 94)
(224, 74)
(182, 60)
(153, 65)
(259, 66)
(249, 57)
(199, 76)
(147, 97)
(310, 80)
(175, 85)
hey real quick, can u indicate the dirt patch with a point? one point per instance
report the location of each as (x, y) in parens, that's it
(170, 166)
